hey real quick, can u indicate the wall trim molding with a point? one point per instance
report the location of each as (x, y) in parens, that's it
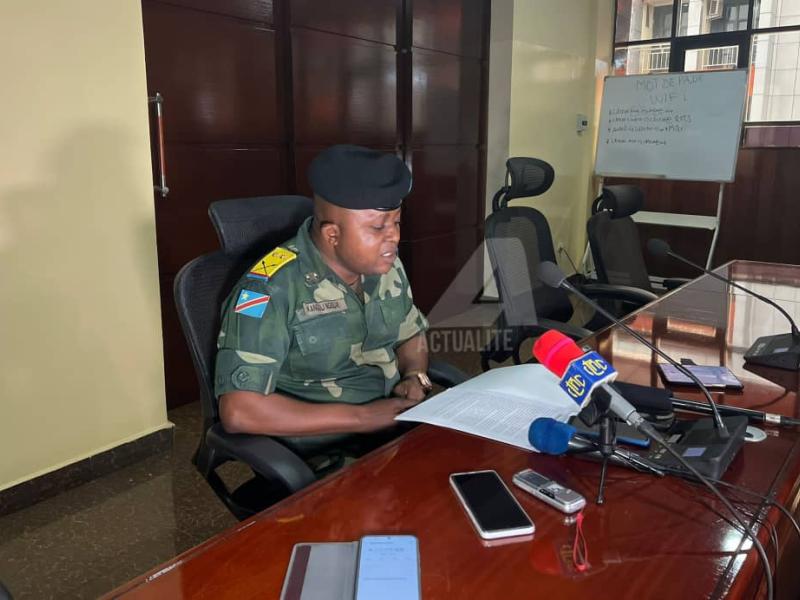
(54, 482)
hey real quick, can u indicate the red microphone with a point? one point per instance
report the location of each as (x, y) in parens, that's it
(555, 351)
(582, 373)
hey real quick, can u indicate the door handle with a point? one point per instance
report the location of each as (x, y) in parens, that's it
(161, 187)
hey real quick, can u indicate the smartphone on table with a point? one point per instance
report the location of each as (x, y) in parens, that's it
(490, 505)
(388, 568)
(710, 376)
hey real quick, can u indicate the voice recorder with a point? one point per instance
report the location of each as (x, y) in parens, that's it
(559, 497)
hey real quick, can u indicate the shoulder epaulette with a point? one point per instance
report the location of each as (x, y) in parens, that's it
(271, 263)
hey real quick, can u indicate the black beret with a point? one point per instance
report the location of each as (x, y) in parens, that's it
(359, 178)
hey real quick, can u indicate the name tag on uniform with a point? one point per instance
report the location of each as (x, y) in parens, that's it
(313, 309)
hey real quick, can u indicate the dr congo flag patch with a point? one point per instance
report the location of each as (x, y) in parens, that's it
(251, 303)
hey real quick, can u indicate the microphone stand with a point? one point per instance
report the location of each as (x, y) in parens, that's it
(780, 351)
(606, 447)
(606, 452)
(608, 438)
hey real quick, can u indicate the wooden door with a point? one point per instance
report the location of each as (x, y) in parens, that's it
(216, 66)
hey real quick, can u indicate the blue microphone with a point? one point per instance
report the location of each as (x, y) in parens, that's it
(550, 436)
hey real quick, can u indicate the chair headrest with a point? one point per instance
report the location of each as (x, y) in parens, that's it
(248, 225)
(621, 200)
(528, 177)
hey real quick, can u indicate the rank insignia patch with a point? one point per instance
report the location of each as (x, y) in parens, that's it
(251, 303)
(269, 264)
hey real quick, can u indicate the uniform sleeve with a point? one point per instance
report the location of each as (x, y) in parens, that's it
(252, 343)
(414, 322)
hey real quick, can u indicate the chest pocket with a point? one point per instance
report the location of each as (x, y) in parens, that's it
(321, 346)
(383, 323)
(320, 334)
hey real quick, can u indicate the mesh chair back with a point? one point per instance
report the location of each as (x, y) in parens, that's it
(247, 226)
(614, 238)
(528, 177)
(201, 287)
(525, 177)
(518, 240)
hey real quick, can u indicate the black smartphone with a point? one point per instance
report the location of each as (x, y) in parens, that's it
(490, 505)
(709, 376)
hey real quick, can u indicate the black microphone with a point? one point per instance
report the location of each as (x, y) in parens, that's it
(551, 275)
(719, 445)
(781, 350)
(716, 455)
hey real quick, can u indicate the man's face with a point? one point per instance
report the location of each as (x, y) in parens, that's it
(368, 240)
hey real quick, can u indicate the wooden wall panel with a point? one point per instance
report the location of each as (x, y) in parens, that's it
(375, 20)
(446, 99)
(446, 140)
(253, 10)
(759, 216)
(214, 91)
(345, 90)
(455, 26)
(432, 263)
(200, 175)
(445, 188)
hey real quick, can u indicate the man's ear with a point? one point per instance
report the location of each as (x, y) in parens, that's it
(329, 232)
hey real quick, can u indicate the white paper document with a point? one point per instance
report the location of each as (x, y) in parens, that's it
(499, 405)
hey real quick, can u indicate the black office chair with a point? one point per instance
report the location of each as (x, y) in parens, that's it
(518, 240)
(247, 228)
(614, 239)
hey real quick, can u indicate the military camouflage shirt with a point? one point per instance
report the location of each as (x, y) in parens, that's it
(293, 325)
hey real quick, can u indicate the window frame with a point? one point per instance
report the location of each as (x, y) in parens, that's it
(679, 44)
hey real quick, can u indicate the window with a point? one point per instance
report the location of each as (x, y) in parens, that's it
(711, 59)
(662, 21)
(639, 20)
(698, 17)
(657, 36)
(642, 59)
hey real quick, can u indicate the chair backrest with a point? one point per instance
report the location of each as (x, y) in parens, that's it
(246, 227)
(525, 178)
(614, 238)
(518, 239)
(201, 287)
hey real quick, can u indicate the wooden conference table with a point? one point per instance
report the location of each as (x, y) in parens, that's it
(653, 538)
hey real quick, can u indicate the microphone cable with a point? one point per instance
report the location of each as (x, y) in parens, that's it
(770, 501)
(747, 530)
(652, 433)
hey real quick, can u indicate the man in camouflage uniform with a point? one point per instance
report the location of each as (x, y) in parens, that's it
(321, 335)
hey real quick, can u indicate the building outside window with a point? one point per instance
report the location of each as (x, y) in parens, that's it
(763, 36)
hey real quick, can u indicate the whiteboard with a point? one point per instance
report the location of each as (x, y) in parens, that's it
(675, 125)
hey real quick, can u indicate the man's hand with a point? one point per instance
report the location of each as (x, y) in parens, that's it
(410, 388)
(380, 414)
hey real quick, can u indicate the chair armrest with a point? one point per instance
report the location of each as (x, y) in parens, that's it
(444, 374)
(264, 455)
(573, 331)
(674, 282)
(626, 293)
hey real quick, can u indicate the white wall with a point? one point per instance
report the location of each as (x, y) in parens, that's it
(558, 54)
(81, 366)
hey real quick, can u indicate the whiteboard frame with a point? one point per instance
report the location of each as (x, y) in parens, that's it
(666, 177)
